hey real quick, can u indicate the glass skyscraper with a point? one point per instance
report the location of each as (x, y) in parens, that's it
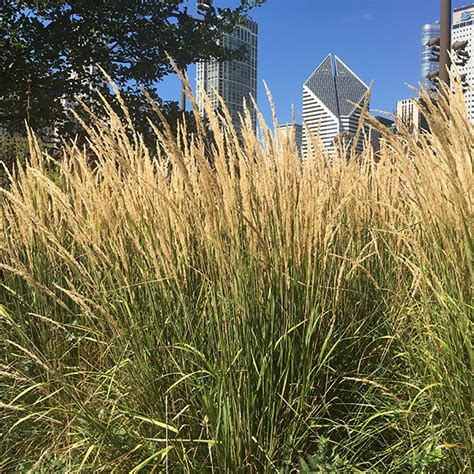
(428, 31)
(331, 99)
(234, 81)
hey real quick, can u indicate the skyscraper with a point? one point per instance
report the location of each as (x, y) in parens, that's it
(234, 81)
(292, 132)
(331, 97)
(428, 31)
(463, 29)
(409, 116)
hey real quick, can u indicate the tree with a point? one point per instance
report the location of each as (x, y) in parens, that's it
(50, 50)
(13, 151)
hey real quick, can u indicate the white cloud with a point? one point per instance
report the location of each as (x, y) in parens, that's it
(367, 17)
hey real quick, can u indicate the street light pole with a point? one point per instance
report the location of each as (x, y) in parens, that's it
(184, 70)
(183, 91)
(28, 100)
(445, 42)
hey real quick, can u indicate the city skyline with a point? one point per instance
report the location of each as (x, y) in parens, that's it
(380, 40)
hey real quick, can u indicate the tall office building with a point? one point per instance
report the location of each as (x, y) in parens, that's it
(234, 81)
(428, 31)
(331, 97)
(376, 137)
(409, 116)
(292, 132)
(463, 29)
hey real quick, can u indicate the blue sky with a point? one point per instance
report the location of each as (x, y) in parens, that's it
(378, 39)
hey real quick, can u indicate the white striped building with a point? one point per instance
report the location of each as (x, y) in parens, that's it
(463, 29)
(329, 112)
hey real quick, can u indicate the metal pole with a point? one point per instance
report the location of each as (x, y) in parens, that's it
(183, 72)
(28, 100)
(445, 42)
(183, 92)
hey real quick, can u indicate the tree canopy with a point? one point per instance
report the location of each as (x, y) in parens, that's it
(51, 49)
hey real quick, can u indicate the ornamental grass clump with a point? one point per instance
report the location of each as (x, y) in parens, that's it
(223, 305)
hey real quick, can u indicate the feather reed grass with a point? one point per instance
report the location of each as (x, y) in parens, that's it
(225, 306)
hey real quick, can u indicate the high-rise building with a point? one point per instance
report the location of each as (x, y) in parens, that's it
(331, 99)
(376, 137)
(463, 29)
(292, 131)
(409, 116)
(234, 81)
(428, 31)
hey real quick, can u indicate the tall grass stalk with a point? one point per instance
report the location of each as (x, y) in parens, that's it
(225, 306)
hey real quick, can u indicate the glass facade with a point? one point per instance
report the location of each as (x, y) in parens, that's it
(323, 85)
(350, 89)
(337, 87)
(428, 31)
(234, 81)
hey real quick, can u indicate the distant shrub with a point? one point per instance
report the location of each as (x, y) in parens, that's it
(12, 151)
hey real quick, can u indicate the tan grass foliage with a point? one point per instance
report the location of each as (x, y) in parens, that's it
(114, 237)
